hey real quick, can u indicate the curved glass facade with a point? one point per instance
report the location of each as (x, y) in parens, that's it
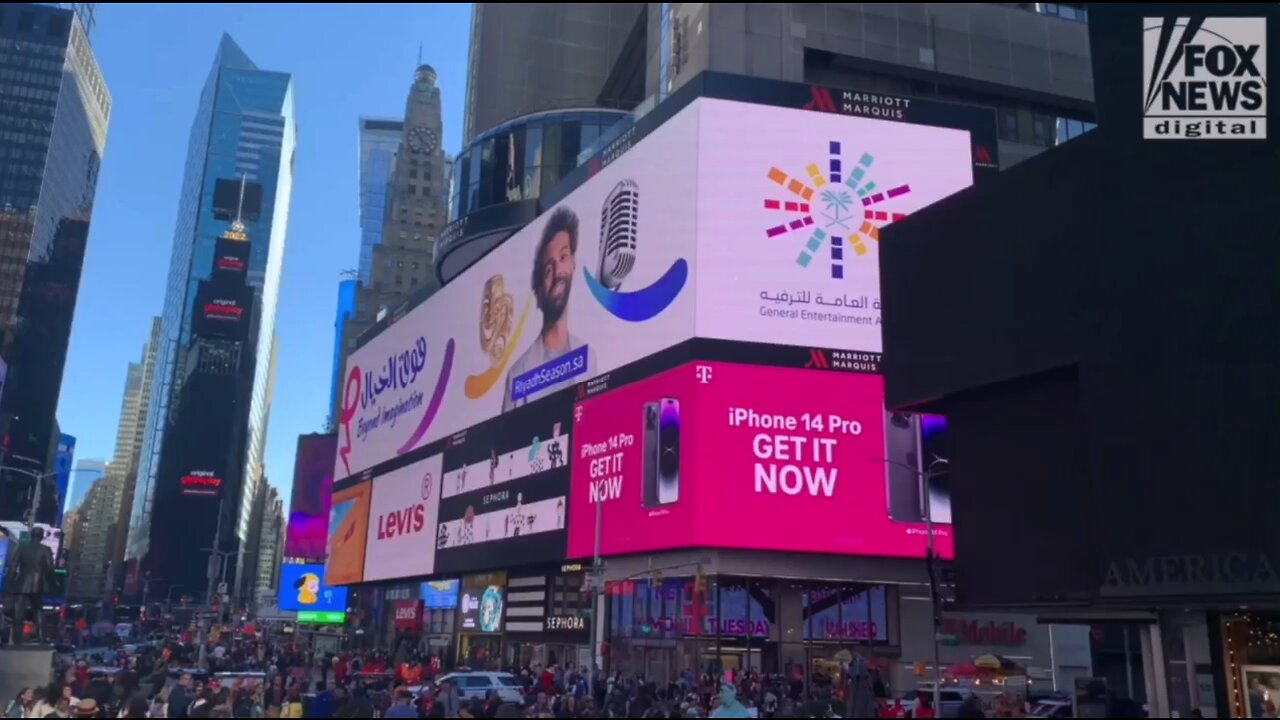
(522, 158)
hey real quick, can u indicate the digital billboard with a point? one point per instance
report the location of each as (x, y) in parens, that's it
(693, 456)
(201, 483)
(348, 533)
(402, 521)
(441, 594)
(230, 261)
(484, 601)
(505, 495)
(222, 312)
(308, 531)
(540, 312)
(303, 590)
(790, 207)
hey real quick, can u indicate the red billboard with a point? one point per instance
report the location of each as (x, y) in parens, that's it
(408, 617)
(704, 455)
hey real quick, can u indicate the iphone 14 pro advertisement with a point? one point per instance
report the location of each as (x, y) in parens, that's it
(505, 492)
(752, 457)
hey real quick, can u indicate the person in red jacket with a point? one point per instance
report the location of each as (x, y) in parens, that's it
(894, 711)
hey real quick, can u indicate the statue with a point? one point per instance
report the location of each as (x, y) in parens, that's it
(729, 705)
(32, 570)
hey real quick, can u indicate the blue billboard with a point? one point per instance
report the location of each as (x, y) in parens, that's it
(440, 594)
(302, 590)
(62, 469)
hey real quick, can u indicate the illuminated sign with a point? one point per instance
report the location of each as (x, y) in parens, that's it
(565, 623)
(203, 483)
(321, 618)
(223, 310)
(232, 264)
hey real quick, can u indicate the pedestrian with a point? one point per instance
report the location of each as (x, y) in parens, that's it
(88, 708)
(403, 707)
(137, 707)
(971, 707)
(180, 697)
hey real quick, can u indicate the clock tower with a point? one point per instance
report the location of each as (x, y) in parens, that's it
(417, 197)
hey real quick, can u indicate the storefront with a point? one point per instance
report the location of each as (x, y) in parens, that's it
(440, 613)
(481, 619)
(548, 620)
(662, 626)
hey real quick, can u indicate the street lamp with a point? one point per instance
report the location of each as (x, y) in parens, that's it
(38, 477)
(939, 466)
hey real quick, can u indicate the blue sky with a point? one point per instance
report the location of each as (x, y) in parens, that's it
(347, 60)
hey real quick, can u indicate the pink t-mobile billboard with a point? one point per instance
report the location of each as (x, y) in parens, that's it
(750, 457)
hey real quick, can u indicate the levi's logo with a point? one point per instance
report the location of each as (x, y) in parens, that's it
(412, 519)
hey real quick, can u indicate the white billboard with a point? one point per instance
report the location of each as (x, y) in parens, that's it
(790, 207)
(599, 281)
(779, 210)
(402, 521)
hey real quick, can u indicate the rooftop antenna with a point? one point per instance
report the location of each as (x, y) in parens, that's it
(419, 53)
(236, 231)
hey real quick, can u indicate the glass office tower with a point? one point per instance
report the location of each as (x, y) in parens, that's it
(244, 136)
(54, 110)
(379, 143)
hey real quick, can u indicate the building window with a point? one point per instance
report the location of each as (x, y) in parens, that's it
(1009, 124)
(413, 281)
(415, 263)
(400, 263)
(1042, 130)
(387, 263)
(399, 280)
(413, 173)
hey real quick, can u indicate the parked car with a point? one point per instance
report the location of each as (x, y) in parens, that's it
(1052, 709)
(951, 701)
(478, 685)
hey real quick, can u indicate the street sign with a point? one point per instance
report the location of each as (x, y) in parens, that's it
(222, 588)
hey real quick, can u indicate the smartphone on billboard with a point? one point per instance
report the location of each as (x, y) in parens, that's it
(903, 473)
(669, 452)
(649, 447)
(933, 445)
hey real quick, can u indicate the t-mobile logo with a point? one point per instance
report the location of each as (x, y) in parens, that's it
(577, 413)
(704, 374)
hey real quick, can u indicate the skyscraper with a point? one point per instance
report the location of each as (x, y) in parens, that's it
(534, 57)
(84, 476)
(54, 109)
(416, 196)
(87, 12)
(202, 452)
(379, 143)
(270, 544)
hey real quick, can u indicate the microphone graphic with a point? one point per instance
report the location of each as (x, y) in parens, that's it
(619, 225)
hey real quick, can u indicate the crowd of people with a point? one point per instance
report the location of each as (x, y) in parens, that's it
(254, 677)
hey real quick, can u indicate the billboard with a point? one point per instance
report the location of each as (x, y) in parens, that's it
(790, 208)
(303, 590)
(540, 312)
(402, 521)
(484, 601)
(62, 466)
(441, 594)
(312, 493)
(700, 455)
(201, 483)
(348, 533)
(230, 262)
(782, 208)
(506, 489)
(222, 312)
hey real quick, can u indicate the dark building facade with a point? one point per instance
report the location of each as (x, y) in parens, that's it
(54, 110)
(1102, 334)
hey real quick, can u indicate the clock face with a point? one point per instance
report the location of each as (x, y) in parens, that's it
(423, 139)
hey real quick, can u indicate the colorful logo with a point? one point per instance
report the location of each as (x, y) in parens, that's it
(841, 209)
(491, 610)
(497, 312)
(401, 372)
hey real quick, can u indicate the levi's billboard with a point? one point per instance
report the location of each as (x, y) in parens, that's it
(402, 521)
(781, 208)
(703, 455)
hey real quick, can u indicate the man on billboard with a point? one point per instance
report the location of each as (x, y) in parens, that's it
(556, 358)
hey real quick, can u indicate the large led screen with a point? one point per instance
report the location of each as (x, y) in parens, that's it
(402, 521)
(790, 207)
(303, 589)
(483, 603)
(506, 490)
(348, 533)
(542, 311)
(308, 531)
(691, 457)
